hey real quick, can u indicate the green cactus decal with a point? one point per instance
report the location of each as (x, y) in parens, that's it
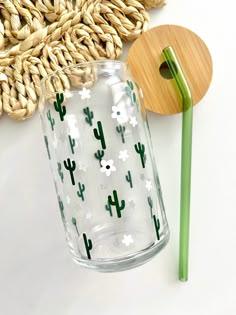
(99, 155)
(80, 193)
(52, 120)
(89, 115)
(88, 245)
(57, 105)
(72, 144)
(47, 146)
(70, 166)
(59, 169)
(130, 92)
(108, 208)
(121, 130)
(157, 226)
(145, 159)
(99, 135)
(140, 149)
(55, 184)
(129, 179)
(74, 222)
(134, 98)
(149, 199)
(61, 206)
(130, 85)
(115, 202)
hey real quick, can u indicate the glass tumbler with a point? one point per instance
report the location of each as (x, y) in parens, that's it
(99, 146)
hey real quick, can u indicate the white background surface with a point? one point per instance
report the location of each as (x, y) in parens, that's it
(37, 275)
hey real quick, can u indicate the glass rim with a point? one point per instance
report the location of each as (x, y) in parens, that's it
(83, 65)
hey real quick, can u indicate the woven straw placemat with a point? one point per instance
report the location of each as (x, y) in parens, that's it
(38, 37)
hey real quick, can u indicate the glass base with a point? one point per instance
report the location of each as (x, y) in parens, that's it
(124, 263)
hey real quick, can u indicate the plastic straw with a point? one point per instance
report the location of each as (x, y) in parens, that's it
(187, 118)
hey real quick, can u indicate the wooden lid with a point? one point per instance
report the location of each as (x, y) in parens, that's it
(148, 67)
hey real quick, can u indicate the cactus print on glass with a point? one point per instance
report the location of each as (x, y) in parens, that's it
(98, 142)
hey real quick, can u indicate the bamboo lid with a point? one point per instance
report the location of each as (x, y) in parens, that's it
(151, 72)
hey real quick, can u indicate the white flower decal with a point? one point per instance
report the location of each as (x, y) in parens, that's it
(85, 93)
(148, 184)
(133, 121)
(72, 126)
(119, 114)
(107, 167)
(123, 155)
(82, 167)
(88, 216)
(127, 240)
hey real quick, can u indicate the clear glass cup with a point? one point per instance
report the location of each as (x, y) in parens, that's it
(98, 142)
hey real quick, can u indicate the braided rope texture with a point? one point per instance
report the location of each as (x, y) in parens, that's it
(38, 37)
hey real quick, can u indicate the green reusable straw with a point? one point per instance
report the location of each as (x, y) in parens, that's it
(187, 118)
